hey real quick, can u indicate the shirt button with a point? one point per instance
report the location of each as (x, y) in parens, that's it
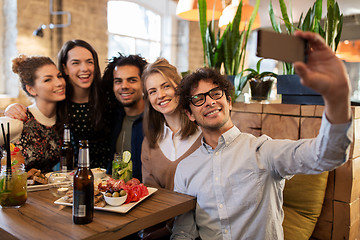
(220, 206)
(217, 179)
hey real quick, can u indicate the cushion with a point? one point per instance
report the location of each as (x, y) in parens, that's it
(303, 200)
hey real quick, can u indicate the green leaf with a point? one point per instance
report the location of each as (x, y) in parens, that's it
(258, 65)
(203, 25)
(242, 81)
(338, 35)
(285, 16)
(274, 23)
(330, 26)
(307, 21)
(318, 9)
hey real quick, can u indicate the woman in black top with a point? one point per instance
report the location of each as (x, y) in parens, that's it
(84, 107)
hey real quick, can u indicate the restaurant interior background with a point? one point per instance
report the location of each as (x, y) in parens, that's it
(150, 28)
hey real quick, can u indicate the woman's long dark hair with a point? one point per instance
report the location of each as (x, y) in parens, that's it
(95, 96)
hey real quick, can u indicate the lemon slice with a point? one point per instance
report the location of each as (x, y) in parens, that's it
(126, 156)
(12, 147)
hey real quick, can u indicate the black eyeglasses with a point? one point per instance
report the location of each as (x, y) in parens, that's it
(200, 99)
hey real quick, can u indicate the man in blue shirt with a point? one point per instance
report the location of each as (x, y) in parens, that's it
(123, 84)
(238, 179)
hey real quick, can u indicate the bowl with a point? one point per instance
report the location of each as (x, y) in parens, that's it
(115, 201)
(98, 173)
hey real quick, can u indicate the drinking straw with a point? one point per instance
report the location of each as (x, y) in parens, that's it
(3, 132)
(7, 147)
(8, 155)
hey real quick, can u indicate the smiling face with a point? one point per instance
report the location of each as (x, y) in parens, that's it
(127, 85)
(213, 115)
(161, 94)
(80, 68)
(49, 85)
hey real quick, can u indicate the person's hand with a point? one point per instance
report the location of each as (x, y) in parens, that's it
(326, 74)
(16, 111)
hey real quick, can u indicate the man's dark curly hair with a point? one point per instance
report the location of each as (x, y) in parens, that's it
(119, 61)
(191, 81)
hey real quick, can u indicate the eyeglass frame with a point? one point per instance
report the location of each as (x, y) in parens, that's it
(206, 94)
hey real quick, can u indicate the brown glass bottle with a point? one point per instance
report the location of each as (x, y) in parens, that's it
(67, 151)
(83, 197)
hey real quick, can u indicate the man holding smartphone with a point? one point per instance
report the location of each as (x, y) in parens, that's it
(237, 178)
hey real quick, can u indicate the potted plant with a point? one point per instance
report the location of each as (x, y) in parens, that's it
(226, 50)
(289, 84)
(260, 82)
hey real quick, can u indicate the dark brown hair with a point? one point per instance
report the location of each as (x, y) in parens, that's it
(96, 96)
(26, 67)
(153, 120)
(191, 81)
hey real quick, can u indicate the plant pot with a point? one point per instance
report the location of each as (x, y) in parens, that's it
(293, 92)
(260, 89)
(231, 79)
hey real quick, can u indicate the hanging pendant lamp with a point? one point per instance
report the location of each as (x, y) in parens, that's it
(188, 9)
(229, 13)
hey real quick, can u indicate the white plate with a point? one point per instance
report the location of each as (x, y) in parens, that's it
(124, 208)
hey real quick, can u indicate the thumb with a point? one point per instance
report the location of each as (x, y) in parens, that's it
(301, 69)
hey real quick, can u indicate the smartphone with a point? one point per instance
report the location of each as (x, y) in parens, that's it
(282, 47)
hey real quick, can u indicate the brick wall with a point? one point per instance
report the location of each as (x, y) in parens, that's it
(196, 58)
(88, 23)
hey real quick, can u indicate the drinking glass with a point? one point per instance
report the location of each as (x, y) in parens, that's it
(13, 186)
(60, 182)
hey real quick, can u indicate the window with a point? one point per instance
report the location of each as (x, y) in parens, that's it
(9, 84)
(133, 29)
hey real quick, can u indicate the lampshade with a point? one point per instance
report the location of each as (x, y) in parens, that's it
(229, 13)
(188, 9)
(349, 51)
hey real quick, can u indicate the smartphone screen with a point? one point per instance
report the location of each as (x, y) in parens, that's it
(282, 47)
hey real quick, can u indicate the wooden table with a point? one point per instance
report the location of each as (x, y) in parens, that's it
(40, 218)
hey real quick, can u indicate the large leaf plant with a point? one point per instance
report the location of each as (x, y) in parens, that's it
(227, 50)
(330, 31)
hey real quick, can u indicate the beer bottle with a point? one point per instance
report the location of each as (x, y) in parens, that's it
(67, 152)
(83, 197)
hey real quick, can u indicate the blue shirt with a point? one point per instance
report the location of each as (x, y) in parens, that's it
(239, 184)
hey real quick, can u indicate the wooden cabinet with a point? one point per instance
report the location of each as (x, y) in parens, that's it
(340, 216)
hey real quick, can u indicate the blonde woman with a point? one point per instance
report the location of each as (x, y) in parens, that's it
(169, 134)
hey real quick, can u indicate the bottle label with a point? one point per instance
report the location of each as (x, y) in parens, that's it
(81, 211)
(80, 203)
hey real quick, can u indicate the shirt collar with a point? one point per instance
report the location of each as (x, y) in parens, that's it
(168, 131)
(224, 140)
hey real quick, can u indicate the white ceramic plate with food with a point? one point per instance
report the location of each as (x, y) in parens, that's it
(124, 208)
